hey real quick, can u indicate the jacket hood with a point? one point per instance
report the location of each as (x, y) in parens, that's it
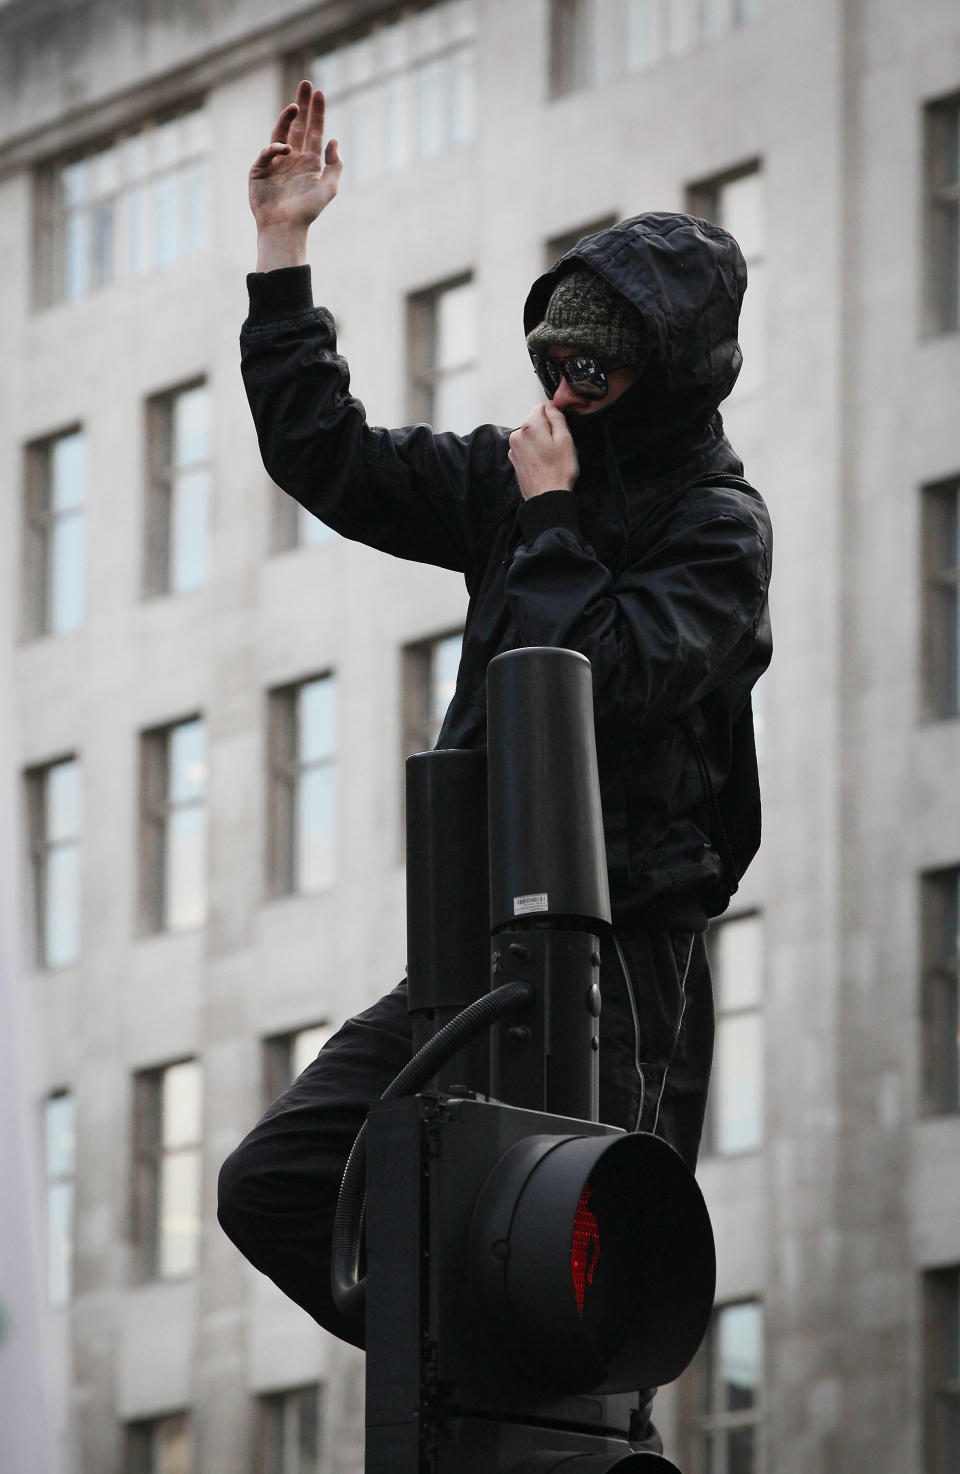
(686, 278)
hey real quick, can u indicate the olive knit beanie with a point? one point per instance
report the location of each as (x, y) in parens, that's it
(584, 312)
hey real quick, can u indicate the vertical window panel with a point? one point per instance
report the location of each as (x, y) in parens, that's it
(53, 801)
(159, 1446)
(941, 598)
(167, 1154)
(429, 682)
(940, 994)
(174, 827)
(55, 564)
(289, 1431)
(303, 787)
(735, 1110)
(443, 336)
(179, 492)
(941, 1304)
(942, 130)
(60, 1163)
(722, 1393)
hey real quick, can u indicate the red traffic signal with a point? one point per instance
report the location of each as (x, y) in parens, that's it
(595, 1259)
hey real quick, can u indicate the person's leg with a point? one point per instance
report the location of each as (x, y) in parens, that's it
(278, 1190)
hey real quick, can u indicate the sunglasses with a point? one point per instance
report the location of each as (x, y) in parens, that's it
(585, 375)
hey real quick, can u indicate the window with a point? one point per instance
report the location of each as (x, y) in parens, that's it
(294, 527)
(53, 805)
(159, 1446)
(592, 42)
(941, 598)
(736, 201)
(561, 244)
(54, 551)
(126, 207)
(429, 681)
(943, 215)
(442, 335)
(940, 949)
(722, 1391)
(289, 1431)
(285, 1056)
(178, 497)
(400, 91)
(941, 1295)
(303, 770)
(167, 1130)
(173, 784)
(735, 1112)
(60, 1159)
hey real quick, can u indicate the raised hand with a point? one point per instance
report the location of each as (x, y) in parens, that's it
(294, 177)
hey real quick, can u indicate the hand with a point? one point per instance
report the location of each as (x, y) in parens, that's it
(294, 177)
(543, 454)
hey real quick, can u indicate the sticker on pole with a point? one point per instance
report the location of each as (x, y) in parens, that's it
(523, 905)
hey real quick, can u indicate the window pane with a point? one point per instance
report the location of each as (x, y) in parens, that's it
(737, 956)
(312, 532)
(61, 909)
(59, 1242)
(101, 243)
(61, 1145)
(180, 1104)
(639, 37)
(430, 106)
(179, 1213)
(189, 530)
(315, 828)
(741, 1351)
(738, 1089)
(67, 472)
(395, 156)
(76, 255)
(185, 880)
(462, 96)
(443, 683)
(456, 328)
(67, 552)
(191, 426)
(188, 762)
(307, 1044)
(193, 199)
(316, 720)
(63, 801)
(308, 1452)
(741, 1451)
(173, 1446)
(166, 222)
(455, 402)
(137, 230)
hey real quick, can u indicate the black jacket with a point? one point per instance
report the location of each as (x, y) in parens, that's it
(655, 567)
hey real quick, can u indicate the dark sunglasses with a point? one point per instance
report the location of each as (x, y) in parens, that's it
(586, 375)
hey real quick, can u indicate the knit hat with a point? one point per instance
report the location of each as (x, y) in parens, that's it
(584, 312)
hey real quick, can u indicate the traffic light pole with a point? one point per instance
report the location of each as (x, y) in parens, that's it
(528, 1267)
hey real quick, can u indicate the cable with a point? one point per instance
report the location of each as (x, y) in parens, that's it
(348, 1288)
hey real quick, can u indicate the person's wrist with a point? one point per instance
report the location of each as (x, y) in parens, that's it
(280, 244)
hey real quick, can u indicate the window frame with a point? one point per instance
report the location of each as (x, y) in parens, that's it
(939, 992)
(149, 1154)
(940, 599)
(283, 1406)
(278, 1057)
(940, 1294)
(424, 375)
(162, 474)
(156, 808)
(705, 1372)
(53, 1179)
(284, 770)
(941, 298)
(40, 521)
(711, 1145)
(40, 846)
(140, 1452)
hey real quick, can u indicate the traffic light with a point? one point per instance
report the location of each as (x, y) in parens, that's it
(528, 1268)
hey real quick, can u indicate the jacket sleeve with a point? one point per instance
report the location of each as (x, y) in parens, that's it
(665, 629)
(408, 492)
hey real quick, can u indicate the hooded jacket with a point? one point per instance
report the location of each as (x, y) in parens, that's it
(655, 566)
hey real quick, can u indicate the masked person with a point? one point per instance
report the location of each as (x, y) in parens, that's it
(614, 521)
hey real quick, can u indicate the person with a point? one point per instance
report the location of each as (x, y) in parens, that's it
(614, 521)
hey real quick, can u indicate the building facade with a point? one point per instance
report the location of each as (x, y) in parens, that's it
(210, 697)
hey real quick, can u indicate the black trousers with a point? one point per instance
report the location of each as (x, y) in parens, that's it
(278, 1189)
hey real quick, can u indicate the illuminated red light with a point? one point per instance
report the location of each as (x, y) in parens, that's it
(585, 1248)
